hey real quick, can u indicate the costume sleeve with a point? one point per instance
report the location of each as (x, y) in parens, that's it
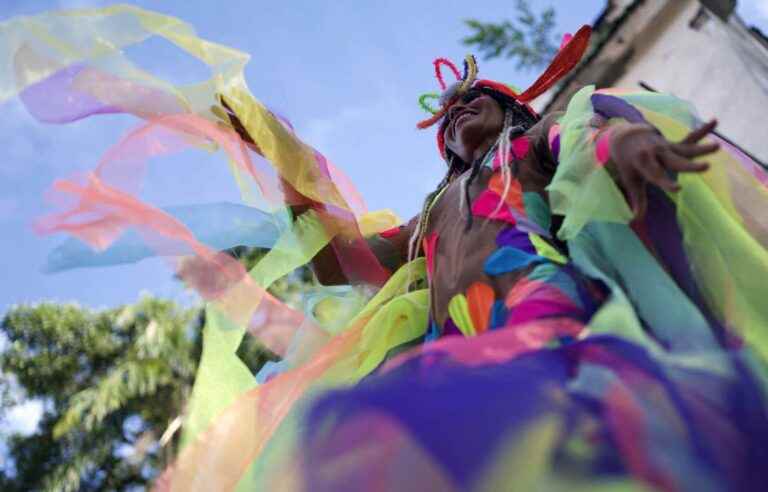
(703, 247)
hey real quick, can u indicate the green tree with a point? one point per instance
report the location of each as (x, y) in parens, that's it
(114, 384)
(112, 381)
(529, 39)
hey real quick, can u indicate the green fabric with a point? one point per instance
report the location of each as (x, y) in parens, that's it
(221, 375)
(613, 253)
(546, 250)
(458, 310)
(718, 214)
(537, 210)
(580, 190)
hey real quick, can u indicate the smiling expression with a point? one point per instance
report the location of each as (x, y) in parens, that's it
(472, 125)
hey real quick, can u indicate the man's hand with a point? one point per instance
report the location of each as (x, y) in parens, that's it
(640, 155)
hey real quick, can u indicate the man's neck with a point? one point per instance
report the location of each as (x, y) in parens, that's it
(482, 149)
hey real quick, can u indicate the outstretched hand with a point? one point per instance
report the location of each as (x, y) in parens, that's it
(641, 156)
(298, 202)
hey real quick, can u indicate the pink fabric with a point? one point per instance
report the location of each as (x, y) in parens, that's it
(519, 149)
(521, 146)
(603, 147)
(488, 204)
(627, 419)
(534, 299)
(430, 245)
(390, 233)
(494, 347)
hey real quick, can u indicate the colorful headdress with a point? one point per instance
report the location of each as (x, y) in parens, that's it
(571, 51)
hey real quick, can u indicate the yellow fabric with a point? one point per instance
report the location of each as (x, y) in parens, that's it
(458, 310)
(546, 250)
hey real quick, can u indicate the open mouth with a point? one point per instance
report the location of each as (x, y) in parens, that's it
(461, 119)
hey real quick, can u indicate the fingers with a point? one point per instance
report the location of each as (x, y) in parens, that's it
(694, 150)
(674, 162)
(700, 132)
(654, 172)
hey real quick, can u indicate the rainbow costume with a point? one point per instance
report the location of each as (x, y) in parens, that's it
(553, 344)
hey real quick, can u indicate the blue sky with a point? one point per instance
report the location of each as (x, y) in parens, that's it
(347, 73)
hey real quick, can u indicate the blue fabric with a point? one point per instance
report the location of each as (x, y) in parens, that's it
(217, 225)
(508, 259)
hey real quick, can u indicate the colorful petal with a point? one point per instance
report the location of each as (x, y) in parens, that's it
(488, 204)
(508, 259)
(498, 315)
(514, 237)
(554, 141)
(520, 147)
(390, 233)
(514, 196)
(458, 310)
(480, 297)
(537, 209)
(546, 250)
(603, 147)
(430, 245)
(450, 328)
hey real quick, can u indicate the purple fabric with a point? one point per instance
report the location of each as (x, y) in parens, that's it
(686, 425)
(614, 107)
(664, 232)
(540, 308)
(54, 100)
(555, 148)
(450, 328)
(456, 413)
(514, 237)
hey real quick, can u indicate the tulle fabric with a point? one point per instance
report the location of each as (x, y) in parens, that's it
(69, 65)
(662, 388)
(639, 395)
(720, 224)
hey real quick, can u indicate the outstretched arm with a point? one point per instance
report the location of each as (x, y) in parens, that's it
(640, 155)
(390, 248)
(636, 154)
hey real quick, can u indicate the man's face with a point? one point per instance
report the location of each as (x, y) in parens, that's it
(472, 125)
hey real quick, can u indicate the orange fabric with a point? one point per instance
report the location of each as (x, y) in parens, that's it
(480, 297)
(239, 434)
(514, 196)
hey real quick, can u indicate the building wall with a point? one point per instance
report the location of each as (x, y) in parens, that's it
(717, 65)
(682, 48)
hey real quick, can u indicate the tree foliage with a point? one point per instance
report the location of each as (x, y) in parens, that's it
(529, 39)
(112, 382)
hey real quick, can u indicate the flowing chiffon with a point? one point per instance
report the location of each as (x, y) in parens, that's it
(662, 387)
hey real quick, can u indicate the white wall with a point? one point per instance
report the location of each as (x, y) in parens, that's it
(720, 68)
